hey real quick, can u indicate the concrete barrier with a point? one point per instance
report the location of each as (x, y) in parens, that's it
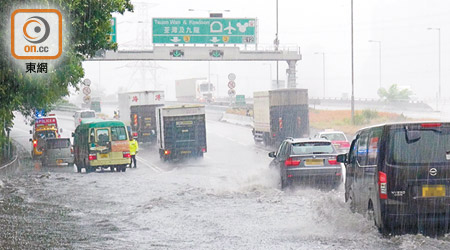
(237, 119)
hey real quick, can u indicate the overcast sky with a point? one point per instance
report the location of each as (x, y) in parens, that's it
(409, 50)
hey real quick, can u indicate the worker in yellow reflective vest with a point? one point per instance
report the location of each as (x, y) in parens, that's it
(134, 148)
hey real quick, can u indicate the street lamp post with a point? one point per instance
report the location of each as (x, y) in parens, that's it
(439, 63)
(212, 13)
(379, 59)
(277, 42)
(353, 74)
(323, 70)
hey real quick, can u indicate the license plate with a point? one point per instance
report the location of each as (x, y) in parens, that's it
(59, 161)
(146, 134)
(103, 155)
(186, 152)
(433, 190)
(314, 162)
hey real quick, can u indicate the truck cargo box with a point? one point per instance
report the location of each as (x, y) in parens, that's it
(279, 114)
(181, 131)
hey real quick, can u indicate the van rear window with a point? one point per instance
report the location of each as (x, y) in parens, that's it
(419, 146)
(118, 134)
(55, 144)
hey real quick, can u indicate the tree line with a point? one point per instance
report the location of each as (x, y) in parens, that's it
(89, 25)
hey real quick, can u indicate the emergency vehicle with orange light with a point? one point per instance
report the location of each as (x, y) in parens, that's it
(44, 128)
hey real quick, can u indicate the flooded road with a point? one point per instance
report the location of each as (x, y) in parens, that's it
(228, 200)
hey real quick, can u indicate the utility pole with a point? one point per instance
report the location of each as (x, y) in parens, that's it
(353, 74)
(277, 42)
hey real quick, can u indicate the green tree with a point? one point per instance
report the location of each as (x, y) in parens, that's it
(394, 93)
(89, 23)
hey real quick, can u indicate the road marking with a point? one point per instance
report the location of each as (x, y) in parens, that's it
(149, 164)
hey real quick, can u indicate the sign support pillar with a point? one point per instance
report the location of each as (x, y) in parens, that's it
(291, 82)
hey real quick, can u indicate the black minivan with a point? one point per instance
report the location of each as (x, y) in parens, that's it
(399, 175)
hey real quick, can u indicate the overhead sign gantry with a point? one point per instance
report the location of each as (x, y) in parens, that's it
(223, 39)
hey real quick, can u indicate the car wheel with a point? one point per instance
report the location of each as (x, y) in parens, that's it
(370, 214)
(352, 203)
(284, 182)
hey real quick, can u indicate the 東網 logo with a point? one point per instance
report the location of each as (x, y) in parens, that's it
(36, 34)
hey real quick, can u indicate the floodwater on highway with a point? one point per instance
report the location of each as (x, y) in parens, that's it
(228, 200)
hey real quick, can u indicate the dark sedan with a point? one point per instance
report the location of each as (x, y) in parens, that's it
(311, 161)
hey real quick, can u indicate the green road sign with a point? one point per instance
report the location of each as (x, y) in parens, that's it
(204, 30)
(113, 33)
(240, 99)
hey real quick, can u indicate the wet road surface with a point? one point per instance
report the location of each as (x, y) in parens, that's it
(228, 200)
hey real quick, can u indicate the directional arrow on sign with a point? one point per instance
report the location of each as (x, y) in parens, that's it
(177, 53)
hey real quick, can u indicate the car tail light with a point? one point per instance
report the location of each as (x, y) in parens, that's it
(35, 143)
(79, 120)
(430, 125)
(203, 150)
(338, 174)
(345, 144)
(126, 154)
(166, 152)
(135, 134)
(382, 185)
(290, 175)
(92, 157)
(71, 150)
(333, 161)
(291, 162)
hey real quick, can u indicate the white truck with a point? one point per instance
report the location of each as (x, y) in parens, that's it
(278, 114)
(181, 131)
(138, 110)
(194, 90)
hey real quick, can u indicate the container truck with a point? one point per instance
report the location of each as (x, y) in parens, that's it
(181, 132)
(194, 90)
(279, 114)
(138, 110)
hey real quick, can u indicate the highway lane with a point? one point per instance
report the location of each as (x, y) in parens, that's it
(228, 200)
